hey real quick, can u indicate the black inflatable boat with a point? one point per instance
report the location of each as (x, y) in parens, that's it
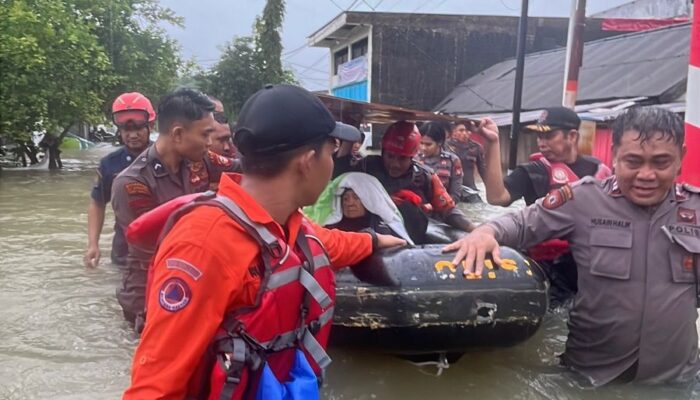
(413, 301)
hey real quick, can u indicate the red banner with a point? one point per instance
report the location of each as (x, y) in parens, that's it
(636, 25)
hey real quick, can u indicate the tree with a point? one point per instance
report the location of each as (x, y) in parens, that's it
(248, 63)
(142, 56)
(63, 62)
(268, 42)
(54, 71)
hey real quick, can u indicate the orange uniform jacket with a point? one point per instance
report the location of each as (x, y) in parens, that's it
(209, 256)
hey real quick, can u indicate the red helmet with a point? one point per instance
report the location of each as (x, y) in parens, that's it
(402, 138)
(129, 105)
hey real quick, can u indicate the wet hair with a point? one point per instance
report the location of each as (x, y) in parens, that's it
(434, 130)
(464, 122)
(183, 105)
(269, 166)
(649, 121)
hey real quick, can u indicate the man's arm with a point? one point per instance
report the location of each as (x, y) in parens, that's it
(496, 192)
(184, 312)
(480, 161)
(99, 196)
(550, 217)
(349, 248)
(96, 218)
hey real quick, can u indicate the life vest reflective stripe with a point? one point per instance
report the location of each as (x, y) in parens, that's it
(560, 174)
(292, 279)
(293, 309)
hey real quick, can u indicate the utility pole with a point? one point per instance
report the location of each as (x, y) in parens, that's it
(574, 52)
(518, 92)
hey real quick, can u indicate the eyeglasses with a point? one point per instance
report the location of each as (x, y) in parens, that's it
(220, 117)
(132, 125)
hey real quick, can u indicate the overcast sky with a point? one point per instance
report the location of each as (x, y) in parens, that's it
(211, 23)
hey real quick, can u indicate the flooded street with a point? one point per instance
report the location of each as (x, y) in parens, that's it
(63, 336)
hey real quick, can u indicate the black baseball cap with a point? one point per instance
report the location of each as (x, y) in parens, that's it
(555, 118)
(280, 118)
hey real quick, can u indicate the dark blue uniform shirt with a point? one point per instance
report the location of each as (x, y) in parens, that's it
(110, 166)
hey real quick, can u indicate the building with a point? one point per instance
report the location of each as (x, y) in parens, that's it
(415, 60)
(648, 67)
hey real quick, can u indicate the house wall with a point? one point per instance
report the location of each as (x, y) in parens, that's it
(357, 90)
(416, 65)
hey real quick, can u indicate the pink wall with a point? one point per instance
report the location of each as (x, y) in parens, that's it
(602, 146)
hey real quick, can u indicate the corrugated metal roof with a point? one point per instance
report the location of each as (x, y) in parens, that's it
(640, 64)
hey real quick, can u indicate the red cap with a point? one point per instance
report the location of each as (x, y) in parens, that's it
(402, 138)
(132, 106)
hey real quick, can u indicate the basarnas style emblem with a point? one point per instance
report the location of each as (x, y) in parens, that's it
(174, 295)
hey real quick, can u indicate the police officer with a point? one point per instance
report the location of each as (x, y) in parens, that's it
(445, 164)
(415, 188)
(470, 153)
(557, 164)
(178, 163)
(636, 240)
(134, 117)
(221, 138)
(249, 282)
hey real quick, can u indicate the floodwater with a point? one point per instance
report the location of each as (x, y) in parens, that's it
(62, 334)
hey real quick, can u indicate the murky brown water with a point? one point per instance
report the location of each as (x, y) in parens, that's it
(62, 334)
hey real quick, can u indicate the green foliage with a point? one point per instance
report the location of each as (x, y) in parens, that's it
(142, 57)
(54, 70)
(62, 62)
(248, 63)
(268, 42)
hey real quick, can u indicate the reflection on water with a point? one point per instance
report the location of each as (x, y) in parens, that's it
(63, 336)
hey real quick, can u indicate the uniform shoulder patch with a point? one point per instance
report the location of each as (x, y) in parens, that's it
(556, 198)
(174, 295)
(184, 266)
(220, 160)
(137, 188)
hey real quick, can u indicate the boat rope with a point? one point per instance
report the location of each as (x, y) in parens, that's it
(441, 364)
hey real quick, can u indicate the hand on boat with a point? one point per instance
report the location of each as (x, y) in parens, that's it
(92, 257)
(472, 249)
(386, 241)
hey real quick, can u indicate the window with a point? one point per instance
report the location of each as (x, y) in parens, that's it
(360, 48)
(340, 57)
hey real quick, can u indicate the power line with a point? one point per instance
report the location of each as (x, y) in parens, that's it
(339, 7)
(308, 68)
(510, 8)
(295, 50)
(370, 6)
(315, 63)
